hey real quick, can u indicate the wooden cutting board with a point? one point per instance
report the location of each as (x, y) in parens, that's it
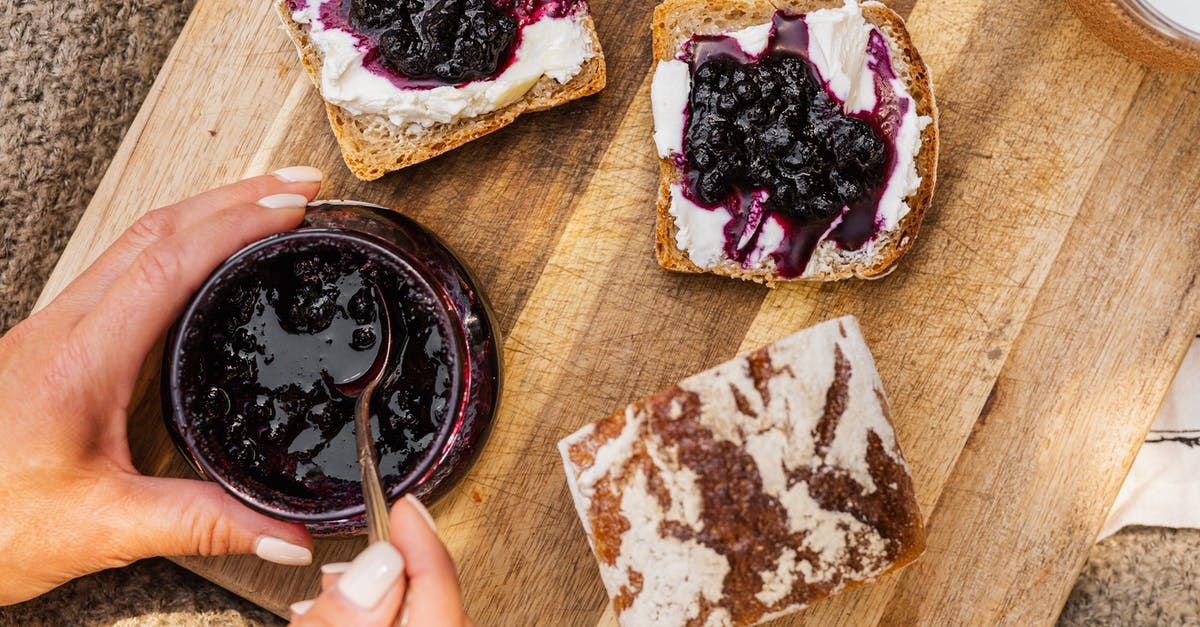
(1026, 342)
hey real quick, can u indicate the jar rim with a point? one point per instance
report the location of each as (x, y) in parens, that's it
(1149, 14)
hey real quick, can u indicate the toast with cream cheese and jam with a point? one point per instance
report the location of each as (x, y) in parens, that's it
(407, 80)
(798, 140)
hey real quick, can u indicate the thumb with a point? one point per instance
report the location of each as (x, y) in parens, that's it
(188, 517)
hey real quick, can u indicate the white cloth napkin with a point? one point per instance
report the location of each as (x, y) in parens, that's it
(1163, 486)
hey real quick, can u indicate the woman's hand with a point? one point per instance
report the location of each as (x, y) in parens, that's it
(71, 502)
(408, 582)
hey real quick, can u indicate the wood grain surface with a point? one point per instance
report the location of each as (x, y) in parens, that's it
(1025, 343)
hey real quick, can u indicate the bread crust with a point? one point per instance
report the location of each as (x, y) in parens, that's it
(372, 146)
(675, 21)
(620, 467)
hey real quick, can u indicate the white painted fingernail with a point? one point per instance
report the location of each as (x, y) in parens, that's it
(282, 552)
(420, 507)
(335, 568)
(299, 174)
(371, 575)
(283, 201)
(300, 608)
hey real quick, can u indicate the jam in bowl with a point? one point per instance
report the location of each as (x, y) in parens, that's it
(255, 369)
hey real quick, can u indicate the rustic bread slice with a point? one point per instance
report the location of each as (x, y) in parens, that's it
(372, 146)
(675, 21)
(750, 490)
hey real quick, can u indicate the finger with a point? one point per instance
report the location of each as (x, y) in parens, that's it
(148, 297)
(87, 289)
(186, 517)
(331, 572)
(299, 608)
(433, 593)
(370, 592)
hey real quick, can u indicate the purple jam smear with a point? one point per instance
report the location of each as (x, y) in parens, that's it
(422, 44)
(283, 332)
(765, 137)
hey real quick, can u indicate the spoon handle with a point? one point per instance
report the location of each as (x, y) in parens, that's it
(377, 509)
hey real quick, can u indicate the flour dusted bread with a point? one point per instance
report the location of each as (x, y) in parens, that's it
(676, 21)
(750, 490)
(372, 145)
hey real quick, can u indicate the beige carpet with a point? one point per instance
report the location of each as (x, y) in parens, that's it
(75, 72)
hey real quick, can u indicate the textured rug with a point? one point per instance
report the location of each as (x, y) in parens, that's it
(152, 592)
(76, 72)
(1139, 576)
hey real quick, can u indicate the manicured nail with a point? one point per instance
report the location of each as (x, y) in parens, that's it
(371, 575)
(284, 201)
(299, 608)
(299, 174)
(420, 507)
(335, 568)
(282, 552)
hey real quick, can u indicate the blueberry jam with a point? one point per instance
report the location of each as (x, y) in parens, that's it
(279, 335)
(764, 137)
(450, 40)
(429, 43)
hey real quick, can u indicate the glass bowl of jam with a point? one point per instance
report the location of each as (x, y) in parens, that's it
(253, 369)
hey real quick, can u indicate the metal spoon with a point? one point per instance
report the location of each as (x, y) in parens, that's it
(364, 389)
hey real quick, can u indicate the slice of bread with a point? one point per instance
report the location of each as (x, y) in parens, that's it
(372, 146)
(750, 490)
(675, 21)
